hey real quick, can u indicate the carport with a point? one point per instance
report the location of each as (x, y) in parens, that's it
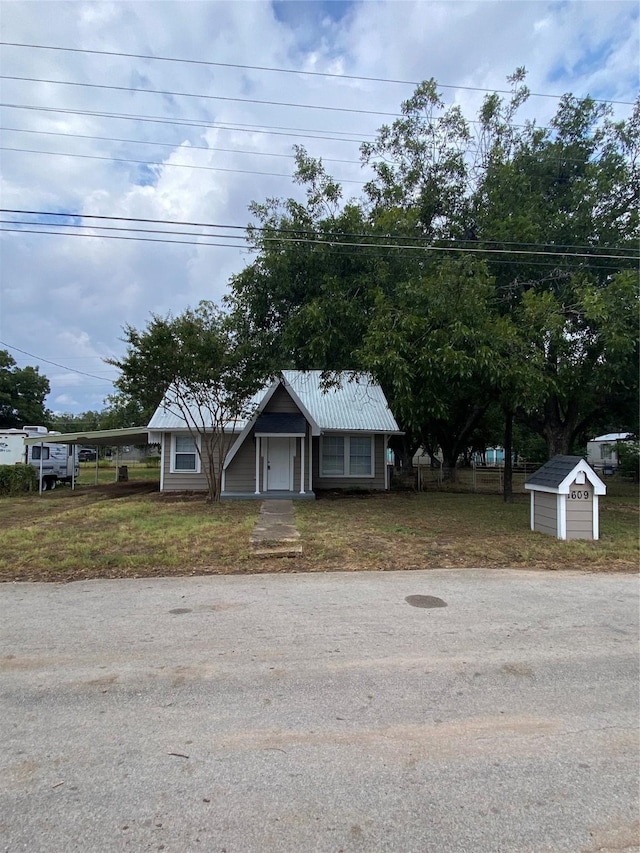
(97, 438)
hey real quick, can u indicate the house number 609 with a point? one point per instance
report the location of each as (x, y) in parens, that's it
(580, 495)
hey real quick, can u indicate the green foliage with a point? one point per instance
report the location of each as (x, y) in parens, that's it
(68, 422)
(200, 369)
(497, 267)
(22, 394)
(629, 459)
(17, 479)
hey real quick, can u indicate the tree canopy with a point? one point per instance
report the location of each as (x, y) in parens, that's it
(23, 391)
(196, 365)
(487, 263)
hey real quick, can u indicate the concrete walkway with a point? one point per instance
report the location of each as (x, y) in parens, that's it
(275, 533)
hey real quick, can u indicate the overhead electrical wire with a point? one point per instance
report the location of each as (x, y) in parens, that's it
(197, 123)
(173, 145)
(333, 242)
(335, 236)
(139, 89)
(163, 165)
(55, 363)
(301, 72)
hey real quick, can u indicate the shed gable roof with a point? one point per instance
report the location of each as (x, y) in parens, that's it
(558, 473)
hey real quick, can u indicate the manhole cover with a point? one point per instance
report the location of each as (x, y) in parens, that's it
(425, 601)
(179, 610)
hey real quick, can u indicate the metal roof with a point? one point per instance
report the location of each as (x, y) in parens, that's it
(357, 403)
(613, 436)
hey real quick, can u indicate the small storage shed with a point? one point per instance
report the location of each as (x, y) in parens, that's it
(564, 498)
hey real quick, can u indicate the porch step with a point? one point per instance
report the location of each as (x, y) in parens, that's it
(275, 533)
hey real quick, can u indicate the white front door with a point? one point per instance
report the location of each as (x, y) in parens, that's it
(278, 465)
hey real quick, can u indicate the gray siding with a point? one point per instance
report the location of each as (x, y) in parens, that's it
(240, 476)
(545, 513)
(580, 512)
(281, 402)
(185, 481)
(377, 482)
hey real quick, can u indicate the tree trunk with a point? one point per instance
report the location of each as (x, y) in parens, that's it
(508, 456)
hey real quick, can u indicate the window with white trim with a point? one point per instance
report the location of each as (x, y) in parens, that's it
(346, 456)
(185, 458)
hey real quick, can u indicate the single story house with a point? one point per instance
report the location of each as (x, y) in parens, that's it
(602, 451)
(300, 437)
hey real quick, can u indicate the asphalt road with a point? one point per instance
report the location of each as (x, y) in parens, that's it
(299, 713)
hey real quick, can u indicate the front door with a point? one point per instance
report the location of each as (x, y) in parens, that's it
(278, 465)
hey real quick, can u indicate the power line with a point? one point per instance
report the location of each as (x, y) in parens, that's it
(326, 74)
(166, 144)
(335, 236)
(203, 97)
(198, 123)
(55, 363)
(163, 165)
(333, 242)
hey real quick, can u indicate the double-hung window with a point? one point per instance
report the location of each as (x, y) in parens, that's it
(184, 455)
(346, 456)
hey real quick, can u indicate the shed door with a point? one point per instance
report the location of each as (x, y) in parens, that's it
(279, 465)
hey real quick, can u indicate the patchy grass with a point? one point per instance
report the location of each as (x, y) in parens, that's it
(445, 529)
(107, 473)
(130, 530)
(126, 532)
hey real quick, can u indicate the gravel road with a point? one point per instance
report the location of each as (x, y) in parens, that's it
(491, 711)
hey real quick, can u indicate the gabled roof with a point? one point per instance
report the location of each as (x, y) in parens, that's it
(356, 404)
(558, 474)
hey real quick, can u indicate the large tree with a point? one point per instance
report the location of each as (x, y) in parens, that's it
(23, 391)
(479, 267)
(196, 366)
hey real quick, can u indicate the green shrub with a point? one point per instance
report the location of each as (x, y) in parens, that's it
(152, 462)
(16, 479)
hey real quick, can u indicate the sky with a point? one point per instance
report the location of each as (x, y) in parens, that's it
(82, 137)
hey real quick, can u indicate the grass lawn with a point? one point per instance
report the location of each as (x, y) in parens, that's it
(130, 530)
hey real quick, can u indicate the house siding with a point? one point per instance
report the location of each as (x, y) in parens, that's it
(240, 476)
(545, 513)
(281, 401)
(184, 481)
(580, 512)
(375, 483)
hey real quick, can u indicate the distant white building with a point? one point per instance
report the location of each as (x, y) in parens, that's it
(602, 451)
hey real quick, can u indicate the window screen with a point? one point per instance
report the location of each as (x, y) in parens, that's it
(333, 454)
(185, 453)
(359, 455)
